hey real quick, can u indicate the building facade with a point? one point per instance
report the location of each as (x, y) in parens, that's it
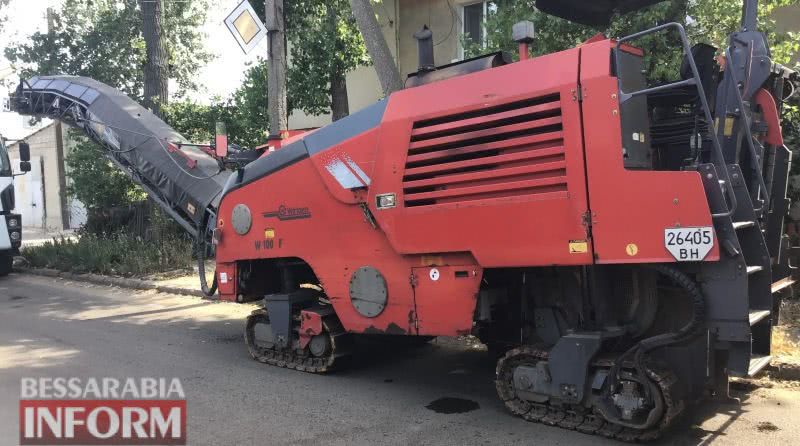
(449, 20)
(41, 194)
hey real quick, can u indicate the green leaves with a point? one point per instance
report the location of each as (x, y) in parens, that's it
(117, 254)
(102, 39)
(552, 33)
(244, 113)
(95, 181)
(323, 39)
(711, 22)
(555, 34)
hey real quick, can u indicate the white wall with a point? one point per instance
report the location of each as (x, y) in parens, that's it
(47, 191)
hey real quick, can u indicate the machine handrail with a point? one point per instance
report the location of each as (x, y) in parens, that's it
(749, 134)
(696, 81)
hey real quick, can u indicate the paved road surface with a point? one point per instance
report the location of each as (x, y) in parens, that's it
(53, 327)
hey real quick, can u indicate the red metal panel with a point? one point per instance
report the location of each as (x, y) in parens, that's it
(482, 175)
(481, 121)
(418, 146)
(450, 290)
(517, 223)
(461, 191)
(226, 280)
(769, 109)
(310, 326)
(360, 150)
(518, 156)
(334, 239)
(630, 209)
(533, 142)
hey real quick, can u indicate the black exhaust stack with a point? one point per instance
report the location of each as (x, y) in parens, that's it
(425, 49)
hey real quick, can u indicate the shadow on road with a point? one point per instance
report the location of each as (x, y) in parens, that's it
(443, 383)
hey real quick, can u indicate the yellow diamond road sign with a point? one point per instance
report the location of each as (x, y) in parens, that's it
(245, 26)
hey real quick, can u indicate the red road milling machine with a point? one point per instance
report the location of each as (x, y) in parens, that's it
(618, 244)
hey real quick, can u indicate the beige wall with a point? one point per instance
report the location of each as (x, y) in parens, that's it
(399, 20)
(363, 87)
(442, 17)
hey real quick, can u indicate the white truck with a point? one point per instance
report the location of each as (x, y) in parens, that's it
(10, 223)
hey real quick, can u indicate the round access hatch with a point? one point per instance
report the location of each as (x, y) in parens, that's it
(241, 219)
(368, 291)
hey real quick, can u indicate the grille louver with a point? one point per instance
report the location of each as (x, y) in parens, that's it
(511, 150)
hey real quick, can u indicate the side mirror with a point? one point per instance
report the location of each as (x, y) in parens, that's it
(221, 140)
(25, 153)
(25, 166)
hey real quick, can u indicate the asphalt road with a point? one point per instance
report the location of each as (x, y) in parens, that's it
(53, 327)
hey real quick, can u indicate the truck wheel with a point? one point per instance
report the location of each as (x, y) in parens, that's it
(6, 262)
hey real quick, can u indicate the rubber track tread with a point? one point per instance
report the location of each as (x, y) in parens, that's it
(290, 359)
(579, 418)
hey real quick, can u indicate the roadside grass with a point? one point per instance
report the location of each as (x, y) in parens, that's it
(116, 254)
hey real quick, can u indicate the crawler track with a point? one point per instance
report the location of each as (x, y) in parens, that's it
(580, 418)
(300, 360)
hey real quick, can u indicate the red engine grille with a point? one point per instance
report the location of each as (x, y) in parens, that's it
(511, 150)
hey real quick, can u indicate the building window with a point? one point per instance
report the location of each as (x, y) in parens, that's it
(474, 20)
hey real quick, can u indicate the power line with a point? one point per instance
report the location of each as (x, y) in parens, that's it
(453, 17)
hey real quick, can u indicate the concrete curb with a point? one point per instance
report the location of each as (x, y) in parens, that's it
(784, 371)
(122, 282)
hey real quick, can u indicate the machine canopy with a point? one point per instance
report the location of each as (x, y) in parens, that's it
(591, 12)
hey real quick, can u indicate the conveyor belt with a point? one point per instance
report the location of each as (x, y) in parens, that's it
(187, 183)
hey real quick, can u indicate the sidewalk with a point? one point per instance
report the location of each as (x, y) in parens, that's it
(182, 284)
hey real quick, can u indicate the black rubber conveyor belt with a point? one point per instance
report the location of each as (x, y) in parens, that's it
(186, 183)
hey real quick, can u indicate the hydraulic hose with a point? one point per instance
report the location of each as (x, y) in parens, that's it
(201, 242)
(646, 345)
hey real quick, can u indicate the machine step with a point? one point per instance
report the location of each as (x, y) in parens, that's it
(757, 364)
(782, 284)
(754, 269)
(757, 316)
(743, 224)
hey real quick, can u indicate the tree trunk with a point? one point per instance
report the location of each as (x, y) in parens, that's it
(377, 47)
(276, 73)
(339, 102)
(156, 78)
(338, 80)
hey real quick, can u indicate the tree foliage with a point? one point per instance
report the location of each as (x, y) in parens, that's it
(3, 11)
(244, 113)
(95, 180)
(319, 48)
(706, 21)
(556, 34)
(102, 39)
(714, 20)
(709, 21)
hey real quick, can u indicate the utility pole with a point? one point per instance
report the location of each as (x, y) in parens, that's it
(276, 71)
(62, 175)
